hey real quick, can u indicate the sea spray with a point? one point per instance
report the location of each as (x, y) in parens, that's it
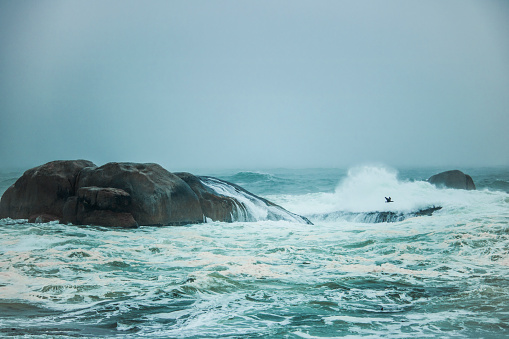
(360, 197)
(250, 207)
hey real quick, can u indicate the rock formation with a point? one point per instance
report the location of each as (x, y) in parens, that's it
(99, 206)
(376, 216)
(128, 195)
(214, 206)
(157, 196)
(453, 179)
(42, 190)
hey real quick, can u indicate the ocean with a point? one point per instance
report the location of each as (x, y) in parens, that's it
(348, 275)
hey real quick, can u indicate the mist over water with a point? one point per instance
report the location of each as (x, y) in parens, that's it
(444, 275)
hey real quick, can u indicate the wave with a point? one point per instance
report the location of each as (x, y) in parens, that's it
(495, 179)
(250, 207)
(500, 185)
(262, 183)
(248, 176)
(360, 197)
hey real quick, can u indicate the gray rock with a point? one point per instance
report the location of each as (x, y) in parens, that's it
(157, 196)
(215, 206)
(453, 179)
(105, 198)
(42, 190)
(128, 195)
(104, 206)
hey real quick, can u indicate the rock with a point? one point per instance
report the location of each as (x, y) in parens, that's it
(157, 196)
(453, 179)
(377, 216)
(106, 218)
(215, 206)
(99, 206)
(42, 190)
(105, 198)
(103, 206)
(42, 218)
(131, 194)
(70, 211)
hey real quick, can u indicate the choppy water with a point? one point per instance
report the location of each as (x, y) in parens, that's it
(445, 275)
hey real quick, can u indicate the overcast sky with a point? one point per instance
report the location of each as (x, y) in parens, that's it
(255, 84)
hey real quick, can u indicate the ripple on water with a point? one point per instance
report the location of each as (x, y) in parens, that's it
(421, 277)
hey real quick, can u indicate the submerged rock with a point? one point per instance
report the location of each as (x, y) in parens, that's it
(130, 194)
(453, 179)
(376, 216)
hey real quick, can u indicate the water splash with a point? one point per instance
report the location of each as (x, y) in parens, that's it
(360, 197)
(250, 207)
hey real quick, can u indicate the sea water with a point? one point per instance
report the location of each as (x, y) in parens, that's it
(444, 275)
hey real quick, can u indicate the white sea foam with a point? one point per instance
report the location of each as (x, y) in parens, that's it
(364, 189)
(250, 207)
(444, 275)
(357, 320)
(257, 210)
(383, 268)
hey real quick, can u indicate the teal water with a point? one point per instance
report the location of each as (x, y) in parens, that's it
(445, 275)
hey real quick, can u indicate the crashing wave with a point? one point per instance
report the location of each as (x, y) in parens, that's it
(250, 207)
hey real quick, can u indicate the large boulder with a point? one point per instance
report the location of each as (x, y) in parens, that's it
(42, 190)
(131, 194)
(157, 197)
(453, 179)
(100, 206)
(116, 194)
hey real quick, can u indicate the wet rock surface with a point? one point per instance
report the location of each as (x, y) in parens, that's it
(128, 195)
(453, 179)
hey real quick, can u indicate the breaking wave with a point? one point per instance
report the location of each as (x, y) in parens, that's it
(346, 276)
(250, 206)
(360, 197)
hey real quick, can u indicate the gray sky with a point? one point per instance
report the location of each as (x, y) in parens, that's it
(255, 84)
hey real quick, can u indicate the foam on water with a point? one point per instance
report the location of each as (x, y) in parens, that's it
(257, 209)
(249, 207)
(364, 189)
(441, 276)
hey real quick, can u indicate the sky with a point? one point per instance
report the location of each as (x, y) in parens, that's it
(255, 84)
